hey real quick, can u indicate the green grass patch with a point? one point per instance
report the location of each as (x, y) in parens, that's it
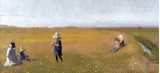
(152, 47)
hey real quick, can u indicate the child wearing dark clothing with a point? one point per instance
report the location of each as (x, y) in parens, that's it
(57, 47)
(58, 50)
(22, 55)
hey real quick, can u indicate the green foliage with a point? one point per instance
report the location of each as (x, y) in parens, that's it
(152, 47)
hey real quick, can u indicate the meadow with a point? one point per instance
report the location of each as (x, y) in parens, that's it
(85, 50)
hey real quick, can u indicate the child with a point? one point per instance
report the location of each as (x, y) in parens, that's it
(22, 55)
(57, 47)
(118, 43)
(11, 57)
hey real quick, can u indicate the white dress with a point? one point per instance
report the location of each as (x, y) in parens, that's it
(11, 58)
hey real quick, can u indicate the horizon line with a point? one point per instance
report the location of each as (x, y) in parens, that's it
(74, 26)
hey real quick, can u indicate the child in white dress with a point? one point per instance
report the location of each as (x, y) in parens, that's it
(11, 58)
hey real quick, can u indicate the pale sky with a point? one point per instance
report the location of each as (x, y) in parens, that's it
(100, 13)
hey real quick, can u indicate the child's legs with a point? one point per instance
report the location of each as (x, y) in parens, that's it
(61, 58)
(56, 56)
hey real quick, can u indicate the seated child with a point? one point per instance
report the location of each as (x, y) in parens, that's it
(118, 43)
(22, 55)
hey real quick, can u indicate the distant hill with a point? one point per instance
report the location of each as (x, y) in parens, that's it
(5, 26)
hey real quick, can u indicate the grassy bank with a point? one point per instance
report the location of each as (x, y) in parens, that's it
(152, 47)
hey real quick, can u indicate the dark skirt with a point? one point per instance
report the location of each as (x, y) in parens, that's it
(57, 51)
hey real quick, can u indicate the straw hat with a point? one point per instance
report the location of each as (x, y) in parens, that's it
(21, 49)
(56, 35)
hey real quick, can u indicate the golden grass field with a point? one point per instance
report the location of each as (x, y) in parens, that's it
(85, 50)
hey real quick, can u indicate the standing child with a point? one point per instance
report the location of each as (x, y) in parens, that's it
(57, 45)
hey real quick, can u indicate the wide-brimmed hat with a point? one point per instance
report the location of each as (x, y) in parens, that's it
(21, 49)
(56, 35)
